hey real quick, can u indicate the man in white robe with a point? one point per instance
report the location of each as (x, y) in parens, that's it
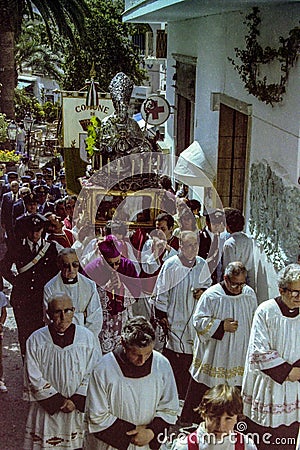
(180, 283)
(271, 384)
(222, 320)
(132, 397)
(59, 360)
(82, 290)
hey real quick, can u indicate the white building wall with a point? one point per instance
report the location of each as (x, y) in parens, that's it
(274, 136)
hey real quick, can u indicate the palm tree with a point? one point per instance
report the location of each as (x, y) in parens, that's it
(33, 52)
(64, 14)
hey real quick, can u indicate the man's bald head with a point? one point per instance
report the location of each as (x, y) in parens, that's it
(61, 311)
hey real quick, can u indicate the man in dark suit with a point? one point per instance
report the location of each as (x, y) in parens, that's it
(8, 200)
(19, 207)
(44, 205)
(210, 245)
(26, 180)
(35, 260)
(38, 180)
(11, 176)
(54, 191)
(31, 203)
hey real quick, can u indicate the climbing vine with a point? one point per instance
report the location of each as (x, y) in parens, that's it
(255, 55)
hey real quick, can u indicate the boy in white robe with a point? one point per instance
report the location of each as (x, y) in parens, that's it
(58, 364)
(82, 290)
(132, 396)
(271, 384)
(222, 321)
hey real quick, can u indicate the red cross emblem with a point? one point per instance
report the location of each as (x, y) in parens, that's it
(155, 110)
(152, 108)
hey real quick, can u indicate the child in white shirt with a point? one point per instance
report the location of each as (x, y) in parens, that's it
(220, 408)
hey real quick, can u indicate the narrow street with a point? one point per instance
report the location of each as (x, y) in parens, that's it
(13, 410)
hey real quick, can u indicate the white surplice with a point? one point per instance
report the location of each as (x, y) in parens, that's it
(111, 395)
(222, 361)
(174, 289)
(50, 369)
(274, 340)
(85, 299)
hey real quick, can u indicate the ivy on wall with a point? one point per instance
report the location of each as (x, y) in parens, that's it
(274, 215)
(254, 56)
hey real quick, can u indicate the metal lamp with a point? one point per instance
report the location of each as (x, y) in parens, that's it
(28, 122)
(12, 131)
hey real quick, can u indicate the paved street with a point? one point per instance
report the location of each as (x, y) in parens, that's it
(13, 410)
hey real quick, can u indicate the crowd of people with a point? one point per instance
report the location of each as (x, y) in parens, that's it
(120, 343)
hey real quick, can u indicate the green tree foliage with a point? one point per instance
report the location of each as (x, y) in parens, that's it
(34, 52)
(65, 15)
(3, 127)
(25, 103)
(107, 43)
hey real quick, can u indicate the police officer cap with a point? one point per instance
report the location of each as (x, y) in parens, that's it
(30, 198)
(34, 222)
(215, 215)
(47, 170)
(39, 175)
(26, 178)
(12, 174)
(41, 190)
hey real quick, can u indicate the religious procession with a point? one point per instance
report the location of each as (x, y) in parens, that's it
(150, 242)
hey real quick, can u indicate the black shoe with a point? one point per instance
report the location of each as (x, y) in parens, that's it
(181, 423)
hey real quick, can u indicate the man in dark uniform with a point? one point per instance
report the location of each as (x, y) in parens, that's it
(35, 260)
(8, 201)
(19, 207)
(30, 201)
(210, 245)
(38, 180)
(54, 191)
(11, 176)
(43, 205)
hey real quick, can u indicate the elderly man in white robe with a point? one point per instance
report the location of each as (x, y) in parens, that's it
(271, 384)
(82, 290)
(222, 320)
(182, 280)
(59, 360)
(132, 397)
